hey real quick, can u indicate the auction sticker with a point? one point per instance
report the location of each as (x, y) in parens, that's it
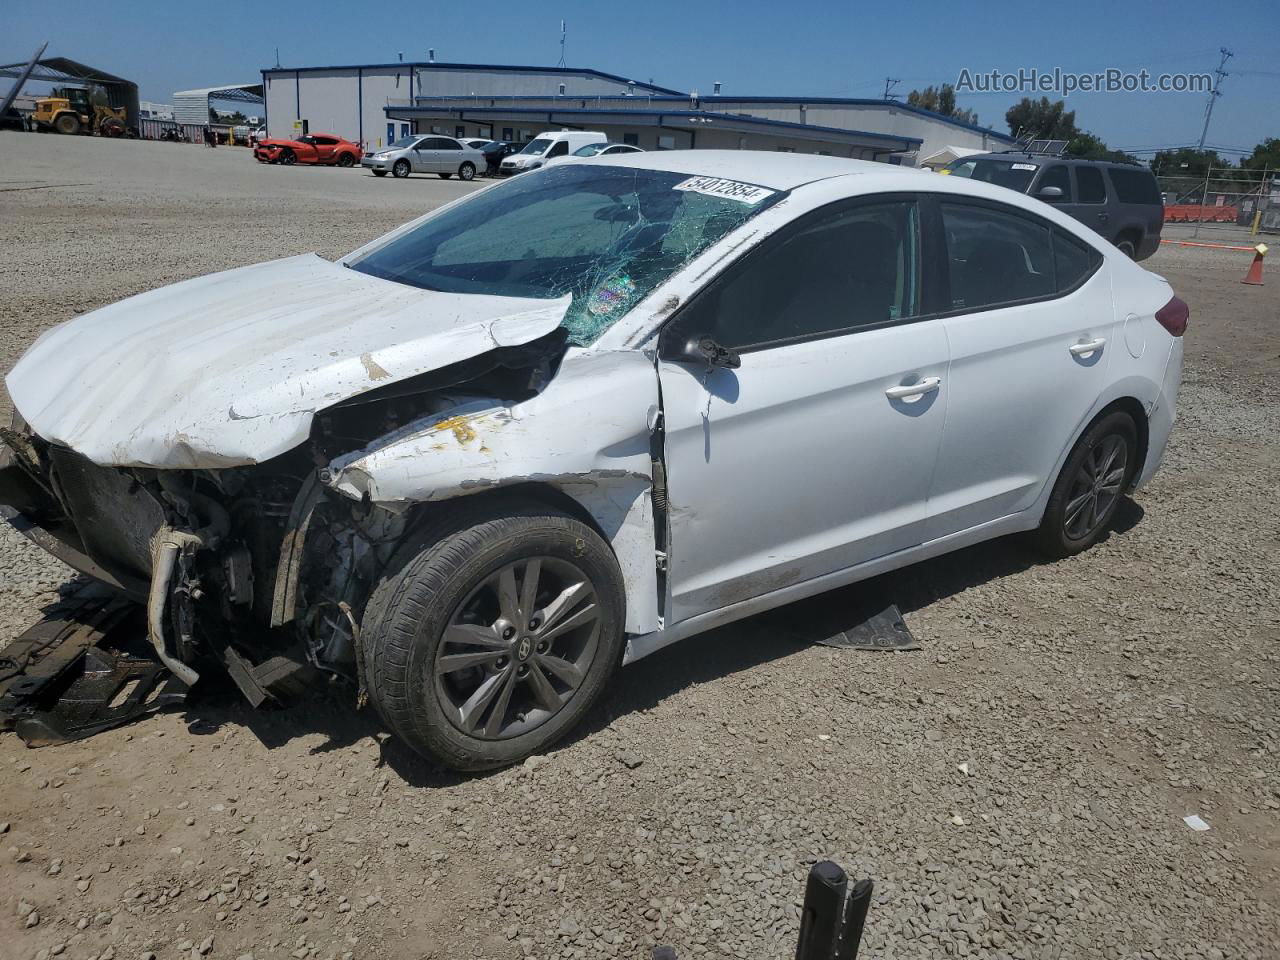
(1024, 166)
(729, 189)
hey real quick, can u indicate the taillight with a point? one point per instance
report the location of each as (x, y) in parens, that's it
(1173, 316)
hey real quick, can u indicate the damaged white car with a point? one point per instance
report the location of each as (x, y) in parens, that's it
(480, 463)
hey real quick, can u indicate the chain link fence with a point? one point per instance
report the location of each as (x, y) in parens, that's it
(1222, 199)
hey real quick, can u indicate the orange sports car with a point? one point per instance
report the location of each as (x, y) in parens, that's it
(325, 148)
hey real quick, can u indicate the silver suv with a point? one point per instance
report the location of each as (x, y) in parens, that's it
(431, 153)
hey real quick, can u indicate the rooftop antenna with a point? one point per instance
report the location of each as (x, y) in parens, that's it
(562, 35)
(1215, 93)
(277, 58)
(431, 55)
(889, 84)
(402, 56)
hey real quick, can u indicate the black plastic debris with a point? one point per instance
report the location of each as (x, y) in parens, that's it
(84, 668)
(882, 630)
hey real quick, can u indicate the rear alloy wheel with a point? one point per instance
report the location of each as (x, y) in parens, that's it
(467, 171)
(495, 635)
(1090, 487)
(344, 160)
(400, 169)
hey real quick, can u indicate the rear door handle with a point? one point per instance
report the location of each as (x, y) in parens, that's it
(912, 391)
(1088, 347)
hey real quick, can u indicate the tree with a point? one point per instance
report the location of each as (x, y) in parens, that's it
(1088, 146)
(1265, 156)
(942, 101)
(1041, 120)
(1186, 162)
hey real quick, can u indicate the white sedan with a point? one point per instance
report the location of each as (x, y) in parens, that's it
(480, 463)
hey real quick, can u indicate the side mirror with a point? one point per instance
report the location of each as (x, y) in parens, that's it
(1050, 193)
(706, 350)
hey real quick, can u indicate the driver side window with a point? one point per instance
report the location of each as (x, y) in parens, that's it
(846, 267)
(559, 150)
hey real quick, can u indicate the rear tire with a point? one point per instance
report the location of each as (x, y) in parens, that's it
(493, 632)
(345, 160)
(400, 169)
(67, 123)
(1090, 487)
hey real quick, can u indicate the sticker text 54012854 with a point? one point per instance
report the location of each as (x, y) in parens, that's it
(729, 189)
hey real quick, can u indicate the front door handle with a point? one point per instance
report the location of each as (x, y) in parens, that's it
(912, 391)
(1088, 347)
(1104, 216)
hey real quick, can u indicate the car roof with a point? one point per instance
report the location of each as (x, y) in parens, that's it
(1019, 156)
(778, 171)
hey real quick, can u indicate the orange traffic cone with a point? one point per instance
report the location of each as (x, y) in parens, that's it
(1254, 276)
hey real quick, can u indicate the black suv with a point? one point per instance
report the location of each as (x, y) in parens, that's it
(1121, 201)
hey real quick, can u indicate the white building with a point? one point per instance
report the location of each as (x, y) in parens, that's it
(374, 104)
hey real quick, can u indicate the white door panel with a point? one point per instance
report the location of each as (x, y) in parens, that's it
(1022, 379)
(800, 462)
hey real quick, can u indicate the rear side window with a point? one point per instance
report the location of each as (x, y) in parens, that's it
(1073, 261)
(1090, 186)
(1134, 186)
(996, 258)
(841, 269)
(1056, 176)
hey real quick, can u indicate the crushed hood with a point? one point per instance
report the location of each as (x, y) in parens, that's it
(229, 369)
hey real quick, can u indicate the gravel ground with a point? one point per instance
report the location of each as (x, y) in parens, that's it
(1017, 788)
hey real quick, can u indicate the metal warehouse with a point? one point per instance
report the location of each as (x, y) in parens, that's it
(374, 104)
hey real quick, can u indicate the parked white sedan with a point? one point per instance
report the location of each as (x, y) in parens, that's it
(550, 428)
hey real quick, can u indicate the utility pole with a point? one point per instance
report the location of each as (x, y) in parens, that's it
(889, 84)
(1215, 93)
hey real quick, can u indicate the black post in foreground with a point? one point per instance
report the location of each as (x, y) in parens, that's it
(830, 925)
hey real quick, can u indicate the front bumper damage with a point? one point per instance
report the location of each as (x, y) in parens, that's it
(258, 571)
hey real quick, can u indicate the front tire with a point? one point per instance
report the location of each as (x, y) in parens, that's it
(345, 160)
(1090, 487)
(288, 158)
(493, 633)
(467, 171)
(400, 169)
(1128, 248)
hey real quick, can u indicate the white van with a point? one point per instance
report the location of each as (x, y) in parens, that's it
(546, 146)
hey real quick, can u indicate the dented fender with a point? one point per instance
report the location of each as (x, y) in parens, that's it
(587, 434)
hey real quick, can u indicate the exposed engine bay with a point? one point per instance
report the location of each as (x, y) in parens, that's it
(262, 570)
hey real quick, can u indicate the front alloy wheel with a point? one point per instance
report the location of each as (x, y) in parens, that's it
(493, 631)
(518, 648)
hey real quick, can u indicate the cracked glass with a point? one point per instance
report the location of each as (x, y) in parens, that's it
(605, 235)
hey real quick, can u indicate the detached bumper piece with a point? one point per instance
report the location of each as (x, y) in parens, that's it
(86, 667)
(874, 630)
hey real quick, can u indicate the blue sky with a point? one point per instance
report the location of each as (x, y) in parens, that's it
(814, 48)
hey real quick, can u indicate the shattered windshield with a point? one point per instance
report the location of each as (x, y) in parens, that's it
(605, 235)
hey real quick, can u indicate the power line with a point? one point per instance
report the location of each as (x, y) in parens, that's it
(889, 84)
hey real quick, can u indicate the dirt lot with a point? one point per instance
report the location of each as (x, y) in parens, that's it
(1095, 702)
